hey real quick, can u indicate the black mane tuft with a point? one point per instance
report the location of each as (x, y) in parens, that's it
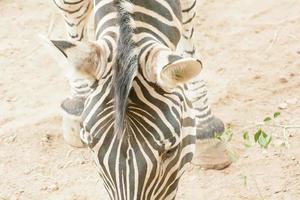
(126, 66)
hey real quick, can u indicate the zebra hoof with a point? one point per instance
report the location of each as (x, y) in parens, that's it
(211, 154)
(72, 110)
(207, 130)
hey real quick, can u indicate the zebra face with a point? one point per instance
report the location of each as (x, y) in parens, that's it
(148, 158)
(157, 142)
(138, 121)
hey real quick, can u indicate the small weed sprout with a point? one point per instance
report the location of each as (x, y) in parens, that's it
(260, 136)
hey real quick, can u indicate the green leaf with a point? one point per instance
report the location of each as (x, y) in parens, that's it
(226, 136)
(276, 114)
(229, 135)
(257, 135)
(263, 133)
(264, 139)
(218, 136)
(269, 139)
(247, 141)
(267, 119)
(246, 136)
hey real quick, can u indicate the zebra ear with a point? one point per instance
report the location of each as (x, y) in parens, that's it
(174, 69)
(80, 57)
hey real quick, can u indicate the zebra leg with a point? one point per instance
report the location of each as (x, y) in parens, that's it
(211, 153)
(208, 125)
(76, 15)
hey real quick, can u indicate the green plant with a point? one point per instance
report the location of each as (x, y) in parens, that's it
(260, 136)
(256, 134)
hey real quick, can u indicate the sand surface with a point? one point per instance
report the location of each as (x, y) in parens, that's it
(251, 55)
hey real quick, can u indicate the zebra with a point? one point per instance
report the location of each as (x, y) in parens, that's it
(76, 15)
(138, 117)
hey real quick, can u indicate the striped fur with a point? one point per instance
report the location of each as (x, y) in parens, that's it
(76, 14)
(106, 24)
(140, 121)
(148, 159)
(207, 124)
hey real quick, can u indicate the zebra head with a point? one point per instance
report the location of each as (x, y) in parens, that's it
(141, 126)
(146, 158)
(138, 121)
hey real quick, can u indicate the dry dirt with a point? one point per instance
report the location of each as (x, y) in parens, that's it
(251, 53)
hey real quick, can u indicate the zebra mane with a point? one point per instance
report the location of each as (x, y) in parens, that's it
(126, 64)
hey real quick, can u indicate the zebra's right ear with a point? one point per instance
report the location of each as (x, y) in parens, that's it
(86, 58)
(168, 69)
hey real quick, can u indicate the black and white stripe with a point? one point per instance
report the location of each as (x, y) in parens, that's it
(157, 138)
(76, 15)
(140, 119)
(207, 124)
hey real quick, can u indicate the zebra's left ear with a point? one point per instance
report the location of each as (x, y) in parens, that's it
(173, 69)
(84, 58)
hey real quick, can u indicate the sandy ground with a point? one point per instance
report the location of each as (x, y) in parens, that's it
(251, 53)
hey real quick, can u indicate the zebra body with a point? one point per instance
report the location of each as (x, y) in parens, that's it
(139, 117)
